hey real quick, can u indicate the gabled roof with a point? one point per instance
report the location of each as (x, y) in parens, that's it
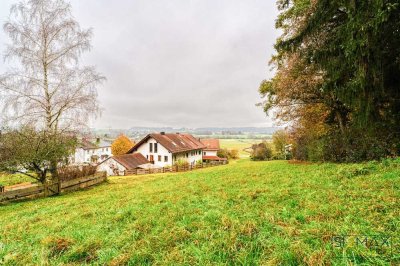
(211, 144)
(214, 158)
(130, 161)
(173, 142)
(89, 145)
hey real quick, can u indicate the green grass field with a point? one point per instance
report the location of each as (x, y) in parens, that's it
(239, 144)
(247, 213)
(9, 180)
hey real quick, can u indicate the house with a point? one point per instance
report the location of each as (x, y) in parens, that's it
(165, 149)
(118, 164)
(91, 152)
(211, 149)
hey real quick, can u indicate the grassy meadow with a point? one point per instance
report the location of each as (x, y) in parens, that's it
(14, 179)
(247, 213)
(239, 144)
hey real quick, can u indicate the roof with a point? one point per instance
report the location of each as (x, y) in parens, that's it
(89, 145)
(211, 144)
(213, 158)
(130, 161)
(173, 142)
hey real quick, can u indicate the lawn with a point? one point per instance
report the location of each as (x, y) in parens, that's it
(13, 179)
(268, 213)
(239, 144)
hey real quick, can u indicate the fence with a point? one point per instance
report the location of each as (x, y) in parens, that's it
(39, 190)
(173, 169)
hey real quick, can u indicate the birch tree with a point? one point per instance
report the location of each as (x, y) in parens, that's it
(47, 87)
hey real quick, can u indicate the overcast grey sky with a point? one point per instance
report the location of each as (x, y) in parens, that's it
(180, 63)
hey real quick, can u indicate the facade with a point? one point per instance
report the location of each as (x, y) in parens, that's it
(117, 165)
(91, 152)
(163, 149)
(211, 149)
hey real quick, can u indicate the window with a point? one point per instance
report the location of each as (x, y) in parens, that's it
(155, 147)
(204, 153)
(187, 155)
(147, 157)
(159, 158)
(151, 147)
(165, 158)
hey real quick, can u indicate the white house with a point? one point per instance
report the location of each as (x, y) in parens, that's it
(118, 164)
(211, 149)
(91, 152)
(165, 149)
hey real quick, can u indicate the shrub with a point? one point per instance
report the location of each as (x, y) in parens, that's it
(223, 153)
(73, 172)
(280, 140)
(181, 163)
(228, 154)
(261, 152)
(233, 154)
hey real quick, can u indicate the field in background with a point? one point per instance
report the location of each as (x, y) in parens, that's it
(14, 179)
(239, 144)
(267, 213)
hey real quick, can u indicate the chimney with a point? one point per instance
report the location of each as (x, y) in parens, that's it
(177, 133)
(97, 140)
(162, 133)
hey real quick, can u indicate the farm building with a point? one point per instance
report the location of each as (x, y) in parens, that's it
(117, 165)
(165, 149)
(211, 149)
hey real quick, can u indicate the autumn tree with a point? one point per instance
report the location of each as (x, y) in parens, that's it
(280, 139)
(47, 88)
(261, 152)
(121, 145)
(337, 78)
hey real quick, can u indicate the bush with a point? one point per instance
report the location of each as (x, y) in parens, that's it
(261, 152)
(233, 154)
(228, 154)
(181, 163)
(223, 153)
(73, 172)
(357, 146)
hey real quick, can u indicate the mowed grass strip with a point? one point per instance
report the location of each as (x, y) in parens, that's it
(270, 213)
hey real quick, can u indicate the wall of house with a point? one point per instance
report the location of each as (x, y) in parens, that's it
(85, 156)
(192, 157)
(112, 167)
(144, 149)
(209, 153)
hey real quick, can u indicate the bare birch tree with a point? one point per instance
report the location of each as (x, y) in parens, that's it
(47, 88)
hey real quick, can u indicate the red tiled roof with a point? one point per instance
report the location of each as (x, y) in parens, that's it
(174, 143)
(213, 158)
(131, 161)
(211, 144)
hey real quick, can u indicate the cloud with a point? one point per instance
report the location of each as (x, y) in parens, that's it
(178, 62)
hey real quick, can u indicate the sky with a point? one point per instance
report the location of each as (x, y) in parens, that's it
(179, 63)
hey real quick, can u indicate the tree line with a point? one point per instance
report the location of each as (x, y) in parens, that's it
(337, 78)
